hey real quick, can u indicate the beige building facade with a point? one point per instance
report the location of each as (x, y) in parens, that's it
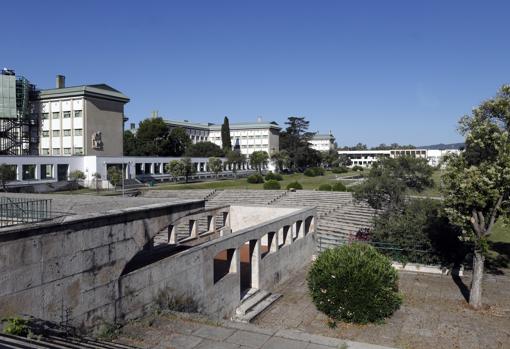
(81, 120)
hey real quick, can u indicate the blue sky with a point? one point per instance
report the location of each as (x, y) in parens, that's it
(369, 71)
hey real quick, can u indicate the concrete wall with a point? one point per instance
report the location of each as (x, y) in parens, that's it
(190, 273)
(106, 117)
(242, 217)
(68, 270)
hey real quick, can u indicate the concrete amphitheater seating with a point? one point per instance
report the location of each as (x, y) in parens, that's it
(245, 197)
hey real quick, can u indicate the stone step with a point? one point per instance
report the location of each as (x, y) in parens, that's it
(257, 308)
(251, 300)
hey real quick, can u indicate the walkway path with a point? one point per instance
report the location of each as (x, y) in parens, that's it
(180, 332)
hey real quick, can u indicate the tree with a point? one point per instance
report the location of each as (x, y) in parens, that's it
(390, 178)
(476, 182)
(114, 175)
(178, 140)
(226, 141)
(205, 150)
(150, 134)
(343, 160)
(235, 159)
(7, 173)
(181, 168)
(281, 159)
(131, 145)
(258, 159)
(329, 158)
(215, 165)
(295, 140)
(76, 175)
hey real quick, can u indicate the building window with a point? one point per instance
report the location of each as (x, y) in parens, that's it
(67, 132)
(45, 133)
(78, 151)
(28, 172)
(45, 116)
(46, 171)
(77, 114)
(67, 114)
(56, 115)
(45, 151)
(78, 132)
(67, 151)
(56, 151)
(56, 133)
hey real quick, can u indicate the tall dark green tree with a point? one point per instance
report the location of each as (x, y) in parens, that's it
(295, 140)
(226, 141)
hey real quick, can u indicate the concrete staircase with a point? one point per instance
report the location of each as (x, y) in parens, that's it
(254, 303)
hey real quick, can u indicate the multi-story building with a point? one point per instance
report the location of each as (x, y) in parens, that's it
(81, 120)
(247, 137)
(366, 158)
(323, 142)
(19, 124)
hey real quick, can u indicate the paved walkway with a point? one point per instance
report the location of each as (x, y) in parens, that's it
(171, 331)
(434, 314)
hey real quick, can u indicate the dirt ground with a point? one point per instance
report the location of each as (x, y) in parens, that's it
(434, 314)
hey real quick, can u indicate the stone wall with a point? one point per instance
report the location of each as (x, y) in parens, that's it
(68, 270)
(190, 274)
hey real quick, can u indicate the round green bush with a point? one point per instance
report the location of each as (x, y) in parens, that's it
(309, 172)
(340, 169)
(273, 176)
(357, 168)
(339, 186)
(272, 184)
(319, 171)
(294, 185)
(354, 283)
(255, 178)
(325, 187)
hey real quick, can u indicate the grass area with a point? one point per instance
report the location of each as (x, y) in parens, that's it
(307, 182)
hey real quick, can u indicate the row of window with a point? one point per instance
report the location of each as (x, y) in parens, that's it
(66, 151)
(65, 115)
(56, 133)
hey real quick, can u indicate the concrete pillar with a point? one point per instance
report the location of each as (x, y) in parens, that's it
(211, 223)
(193, 229)
(226, 219)
(287, 233)
(300, 226)
(172, 235)
(151, 168)
(235, 263)
(255, 263)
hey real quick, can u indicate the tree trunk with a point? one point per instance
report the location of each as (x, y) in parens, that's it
(475, 295)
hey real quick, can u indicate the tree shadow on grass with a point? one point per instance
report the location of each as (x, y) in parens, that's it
(464, 290)
(499, 258)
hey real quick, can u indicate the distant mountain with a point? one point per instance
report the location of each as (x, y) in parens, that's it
(443, 146)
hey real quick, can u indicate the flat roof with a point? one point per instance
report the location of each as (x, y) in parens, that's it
(103, 91)
(320, 137)
(217, 127)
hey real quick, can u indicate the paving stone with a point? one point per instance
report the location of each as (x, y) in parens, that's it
(210, 344)
(283, 343)
(215, 333)
(184, 342)
(318, 346)
(249, 339)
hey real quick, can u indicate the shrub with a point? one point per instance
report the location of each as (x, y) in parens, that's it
(294, 185)
(309, 172)
(341, 169)
(319, 171)
(354, 283)
(272, 184)
(339, 186)
(325, 187)
(357, 168)
(273, 176)
(16, 326)
(255, 178)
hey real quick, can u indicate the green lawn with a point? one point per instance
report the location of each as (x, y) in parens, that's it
(307, 182)
(501, 232)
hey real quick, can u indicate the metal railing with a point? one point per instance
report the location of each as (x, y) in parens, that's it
(21, 210)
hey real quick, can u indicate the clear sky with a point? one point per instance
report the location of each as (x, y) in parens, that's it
(369, 71)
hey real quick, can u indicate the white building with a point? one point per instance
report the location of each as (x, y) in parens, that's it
(247, 137)
(49, 169)
(323, 142)
(366, 158)
(81, 120)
